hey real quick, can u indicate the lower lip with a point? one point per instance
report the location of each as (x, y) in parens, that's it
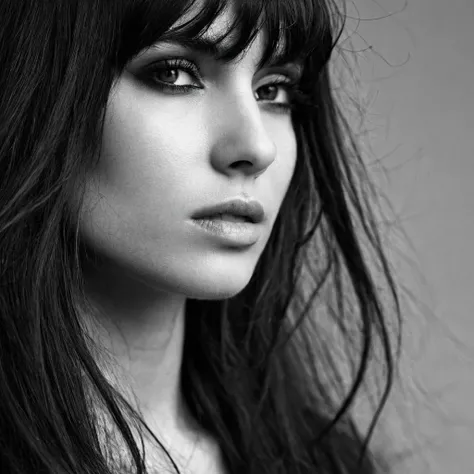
(240, 234)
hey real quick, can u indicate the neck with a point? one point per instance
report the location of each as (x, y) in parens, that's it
(141, 332)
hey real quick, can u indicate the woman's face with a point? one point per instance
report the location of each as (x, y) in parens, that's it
(168, 152)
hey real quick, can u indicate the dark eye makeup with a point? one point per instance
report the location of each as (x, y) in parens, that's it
(165, 74)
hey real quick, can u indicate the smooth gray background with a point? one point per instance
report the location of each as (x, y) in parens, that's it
(418, 90)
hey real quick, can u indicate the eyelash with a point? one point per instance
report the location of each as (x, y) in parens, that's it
(187, 66)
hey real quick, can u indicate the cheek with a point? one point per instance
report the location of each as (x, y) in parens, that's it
(131, 193)
(290, 150)
(282, 169)
(148, 159)
(144, 151)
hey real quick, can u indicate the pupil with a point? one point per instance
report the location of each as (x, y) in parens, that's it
(169, 75)
(268, 92)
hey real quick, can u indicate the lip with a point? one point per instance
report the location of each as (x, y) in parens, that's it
(234, 234)
(250, 209)
(231, 234)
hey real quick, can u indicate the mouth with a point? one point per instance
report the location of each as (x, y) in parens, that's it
(230, 230)
(235, 210)
(228, 218)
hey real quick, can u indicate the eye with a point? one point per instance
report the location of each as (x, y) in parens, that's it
(272, 92)
(279, 94)
(174, 75)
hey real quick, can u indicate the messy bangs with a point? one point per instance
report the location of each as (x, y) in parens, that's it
(293, 29)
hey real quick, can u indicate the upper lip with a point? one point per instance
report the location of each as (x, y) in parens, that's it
(251, 209)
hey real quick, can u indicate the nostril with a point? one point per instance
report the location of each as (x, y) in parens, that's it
(241, 164)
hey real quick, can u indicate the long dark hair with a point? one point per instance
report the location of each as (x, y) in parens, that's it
(266, 372)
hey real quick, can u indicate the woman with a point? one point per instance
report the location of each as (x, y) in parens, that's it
(184, 242)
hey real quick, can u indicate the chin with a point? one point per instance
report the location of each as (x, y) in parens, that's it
(216, 293)
(217, 289)
(200, 276)
(213, 282)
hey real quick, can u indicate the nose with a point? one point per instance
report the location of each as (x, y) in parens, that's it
(242, 144)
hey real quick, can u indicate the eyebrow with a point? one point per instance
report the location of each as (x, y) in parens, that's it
(209, 46)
